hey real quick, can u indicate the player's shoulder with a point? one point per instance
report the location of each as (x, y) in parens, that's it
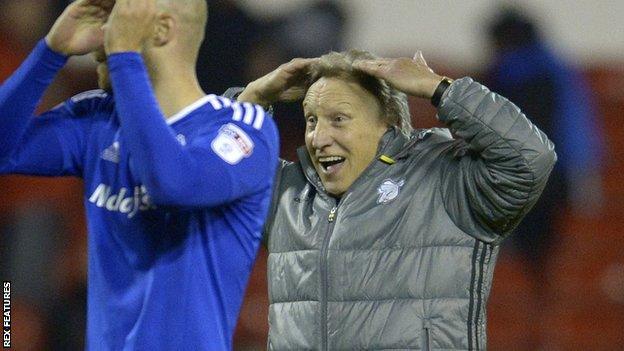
(238, 128)
(242, 117)
(244, 114)
(89, 102)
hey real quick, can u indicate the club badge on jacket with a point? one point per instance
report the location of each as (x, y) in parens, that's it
(389, 190)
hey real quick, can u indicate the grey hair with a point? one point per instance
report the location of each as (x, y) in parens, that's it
(340, 65)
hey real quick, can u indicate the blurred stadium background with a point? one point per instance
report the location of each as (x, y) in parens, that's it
(564, 290)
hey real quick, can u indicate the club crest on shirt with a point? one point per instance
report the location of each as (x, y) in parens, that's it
(389, 190)
(232, 144)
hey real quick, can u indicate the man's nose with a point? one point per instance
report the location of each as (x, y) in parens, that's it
(322, 136)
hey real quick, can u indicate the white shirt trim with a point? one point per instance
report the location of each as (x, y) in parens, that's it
(188, 109)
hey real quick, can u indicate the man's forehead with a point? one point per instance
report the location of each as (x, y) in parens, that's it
(334, 91)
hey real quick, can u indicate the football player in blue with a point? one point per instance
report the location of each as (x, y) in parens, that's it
(177, 183)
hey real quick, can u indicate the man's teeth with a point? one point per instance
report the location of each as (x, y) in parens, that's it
(328, 161)
(331, 159)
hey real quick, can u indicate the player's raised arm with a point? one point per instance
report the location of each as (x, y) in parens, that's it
(229, 159)
(77, 31)
(490, 193)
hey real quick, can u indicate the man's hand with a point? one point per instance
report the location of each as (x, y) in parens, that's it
(130, 25)
(411, 76)
(286, 83)
(78, 30)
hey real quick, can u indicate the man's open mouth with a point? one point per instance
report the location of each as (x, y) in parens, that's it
(330, 163)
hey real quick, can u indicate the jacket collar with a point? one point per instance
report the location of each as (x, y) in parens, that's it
(393, 144)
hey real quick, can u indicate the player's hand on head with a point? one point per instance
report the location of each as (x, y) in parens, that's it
(411, 76)
(130, 25)
(78, 30)
(286, 83)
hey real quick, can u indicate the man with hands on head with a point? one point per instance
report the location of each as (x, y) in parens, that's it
(177, 183)
(385, 237)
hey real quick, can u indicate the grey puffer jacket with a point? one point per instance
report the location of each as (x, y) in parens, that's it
(405, 259)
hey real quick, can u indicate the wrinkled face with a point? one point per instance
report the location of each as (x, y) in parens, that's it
(102, 69)
(343, 130)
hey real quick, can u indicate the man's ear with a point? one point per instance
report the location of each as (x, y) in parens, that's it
(164, 29)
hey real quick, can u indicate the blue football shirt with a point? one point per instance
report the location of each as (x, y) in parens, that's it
(175, 206)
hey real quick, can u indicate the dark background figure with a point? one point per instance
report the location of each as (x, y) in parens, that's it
(557, 98)
(225, 52)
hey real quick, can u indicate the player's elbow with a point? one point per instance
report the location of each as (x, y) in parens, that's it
(545, 160)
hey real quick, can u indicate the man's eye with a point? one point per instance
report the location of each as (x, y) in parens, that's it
(340, 118)
(311, 120)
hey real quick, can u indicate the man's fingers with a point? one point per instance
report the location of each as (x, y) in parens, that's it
(134, 8)
(372, 67)
(297, 66)
(418, 57)
(96, 8)
(106, 4)
(303, 62)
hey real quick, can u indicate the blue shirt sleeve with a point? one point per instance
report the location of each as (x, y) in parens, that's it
(46, 145)
(52, 145)
(200, 174)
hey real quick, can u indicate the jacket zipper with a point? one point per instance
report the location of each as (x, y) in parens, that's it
(426, 342)
(331, 218)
